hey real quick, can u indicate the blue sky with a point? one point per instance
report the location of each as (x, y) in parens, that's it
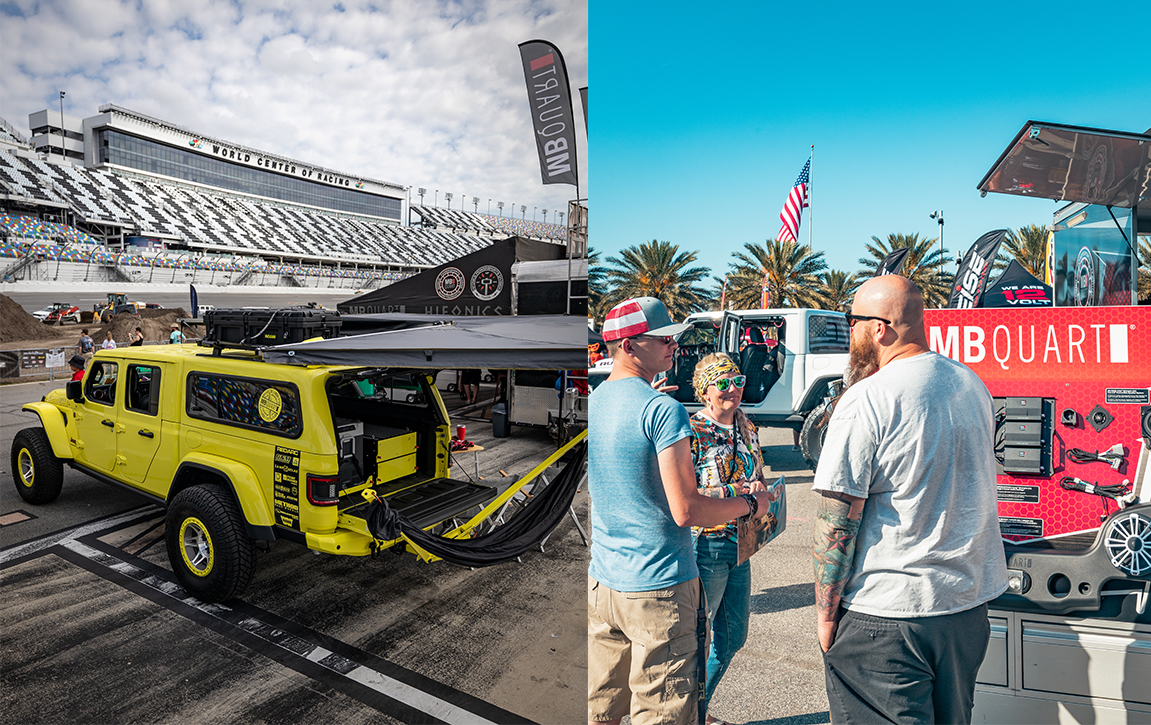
(705, 114)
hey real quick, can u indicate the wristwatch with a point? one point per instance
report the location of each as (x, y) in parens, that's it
(752, 505)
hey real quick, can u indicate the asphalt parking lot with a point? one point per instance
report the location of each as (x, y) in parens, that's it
(777, 678)
(94, 628)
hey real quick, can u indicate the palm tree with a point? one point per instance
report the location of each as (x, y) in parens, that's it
(923, 265)
(1028, 245)
(839, 287)
(793, 270)
(596, 284)
(657, 269)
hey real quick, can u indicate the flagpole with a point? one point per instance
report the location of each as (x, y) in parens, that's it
(810, 183)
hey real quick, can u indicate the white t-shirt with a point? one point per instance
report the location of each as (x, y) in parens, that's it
(916, 440)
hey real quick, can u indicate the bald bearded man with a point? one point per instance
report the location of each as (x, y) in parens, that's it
(907, 547)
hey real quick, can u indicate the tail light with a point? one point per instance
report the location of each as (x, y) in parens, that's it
(323, 490)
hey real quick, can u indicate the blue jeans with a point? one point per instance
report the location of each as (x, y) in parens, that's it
(728, 591)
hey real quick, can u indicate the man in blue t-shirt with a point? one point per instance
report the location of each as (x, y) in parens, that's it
(644, 596)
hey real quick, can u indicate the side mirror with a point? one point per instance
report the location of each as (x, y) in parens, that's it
(75, 390)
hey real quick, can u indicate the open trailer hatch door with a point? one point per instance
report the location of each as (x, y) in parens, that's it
(1073, 163)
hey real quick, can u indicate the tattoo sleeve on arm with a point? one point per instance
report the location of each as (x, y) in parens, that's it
(834, 549)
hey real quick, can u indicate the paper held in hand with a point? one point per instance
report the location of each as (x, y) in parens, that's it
(754, 533)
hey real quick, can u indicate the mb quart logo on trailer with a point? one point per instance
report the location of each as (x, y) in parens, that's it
(1080, 341)
(1026, 344)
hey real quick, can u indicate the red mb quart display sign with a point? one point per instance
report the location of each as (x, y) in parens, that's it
(1072, 390)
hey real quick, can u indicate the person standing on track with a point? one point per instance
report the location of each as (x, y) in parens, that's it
(85, 347)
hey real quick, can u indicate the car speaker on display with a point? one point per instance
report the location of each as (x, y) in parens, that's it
(1072, 493)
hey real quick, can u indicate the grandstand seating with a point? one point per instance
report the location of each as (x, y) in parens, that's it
(436, 217)
(524, 228)
(210, 220)
(10, 135)
(101, 256)
(28, 227)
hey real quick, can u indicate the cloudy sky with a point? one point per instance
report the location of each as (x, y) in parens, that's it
(422, 93)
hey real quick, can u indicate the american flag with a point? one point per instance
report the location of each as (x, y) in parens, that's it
(794, 206)
(765, 293)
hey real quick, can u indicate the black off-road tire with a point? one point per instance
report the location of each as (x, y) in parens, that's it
(36, 471)
(209, 550)
(813, 432)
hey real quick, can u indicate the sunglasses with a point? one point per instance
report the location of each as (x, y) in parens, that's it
(665, 339)
(724, 383)
(852, 319)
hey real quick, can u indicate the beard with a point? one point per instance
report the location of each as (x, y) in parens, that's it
(864, 360)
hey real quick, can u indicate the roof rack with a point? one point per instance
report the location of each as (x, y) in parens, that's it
(256, 329)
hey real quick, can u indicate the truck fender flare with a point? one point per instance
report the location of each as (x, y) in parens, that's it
(241, 480)
(816, 393)
(52, 419)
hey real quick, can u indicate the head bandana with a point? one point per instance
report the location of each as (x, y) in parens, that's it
(714, 372)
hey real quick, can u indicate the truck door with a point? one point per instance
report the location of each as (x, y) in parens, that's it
(96, 423)
(694, 345)
(754, 344)
(139, 420)
(728, 339)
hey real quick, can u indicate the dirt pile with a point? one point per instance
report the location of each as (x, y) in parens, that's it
(16, 324)
(155, 324)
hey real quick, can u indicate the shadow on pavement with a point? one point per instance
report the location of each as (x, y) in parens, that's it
(811, 718)
(780, 599)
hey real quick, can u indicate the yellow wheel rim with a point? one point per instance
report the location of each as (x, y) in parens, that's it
(196, 547)
(27, 467)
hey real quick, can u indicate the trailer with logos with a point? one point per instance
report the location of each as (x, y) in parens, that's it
(1071, 639)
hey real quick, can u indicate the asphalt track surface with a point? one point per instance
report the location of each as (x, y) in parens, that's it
(94, 628)
(777, 678)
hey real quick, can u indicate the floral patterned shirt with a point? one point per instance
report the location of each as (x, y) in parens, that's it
(720, 456)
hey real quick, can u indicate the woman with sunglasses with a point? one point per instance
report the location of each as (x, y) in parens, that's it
(728, 462)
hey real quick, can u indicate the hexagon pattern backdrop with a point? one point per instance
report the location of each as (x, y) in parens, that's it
(1079, 358)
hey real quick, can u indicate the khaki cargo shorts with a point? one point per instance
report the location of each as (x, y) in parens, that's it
(642, 654)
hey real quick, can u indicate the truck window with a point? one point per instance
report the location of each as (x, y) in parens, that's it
(143, 389)
(826, 333)
(101, 385)
(265, 405)
(401, 388)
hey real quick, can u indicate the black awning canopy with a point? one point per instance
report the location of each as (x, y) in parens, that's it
(1074, 163)
(528, 342)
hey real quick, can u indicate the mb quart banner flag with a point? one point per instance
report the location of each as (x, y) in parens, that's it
(971, 279)
(552, 119)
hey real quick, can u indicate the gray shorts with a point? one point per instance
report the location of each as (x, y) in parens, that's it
(915, 670)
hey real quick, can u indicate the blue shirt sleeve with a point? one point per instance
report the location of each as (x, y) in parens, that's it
(665, 422)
